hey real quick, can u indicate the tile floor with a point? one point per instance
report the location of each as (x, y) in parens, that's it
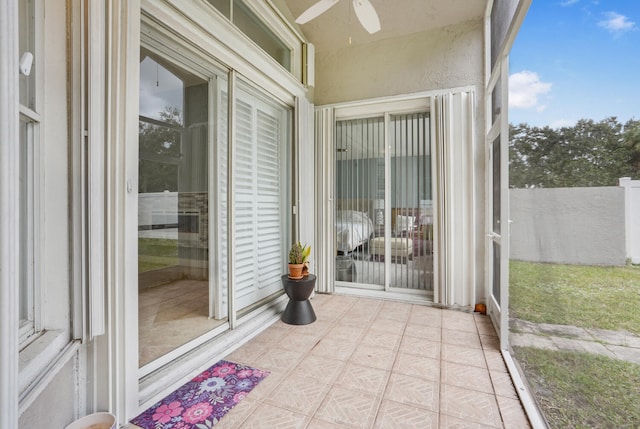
(374, 364)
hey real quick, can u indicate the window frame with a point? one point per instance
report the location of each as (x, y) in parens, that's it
(31, 117)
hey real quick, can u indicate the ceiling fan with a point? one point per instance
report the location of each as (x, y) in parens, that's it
(364, 11)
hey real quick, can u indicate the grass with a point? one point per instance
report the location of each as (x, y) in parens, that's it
(154, 253)
(578, 390)
(584, 296)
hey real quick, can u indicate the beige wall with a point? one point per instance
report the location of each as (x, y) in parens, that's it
(444, 58)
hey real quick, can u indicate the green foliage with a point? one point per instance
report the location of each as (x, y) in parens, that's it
(587, 154)
(579, 390)
(579, 295)
(160, 152)
(298, 253)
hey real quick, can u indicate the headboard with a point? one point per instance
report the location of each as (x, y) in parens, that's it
(358, 204)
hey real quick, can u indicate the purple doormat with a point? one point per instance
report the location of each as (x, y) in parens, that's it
(203, 401)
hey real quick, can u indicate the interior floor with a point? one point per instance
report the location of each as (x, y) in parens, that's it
(360, 266)
(171, 315)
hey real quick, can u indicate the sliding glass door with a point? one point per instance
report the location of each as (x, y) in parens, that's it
(202, 256)
(173, 207)
(383, 203)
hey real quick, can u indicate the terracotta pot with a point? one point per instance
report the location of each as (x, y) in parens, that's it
(295, 271)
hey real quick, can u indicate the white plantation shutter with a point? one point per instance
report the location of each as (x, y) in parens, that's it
(221, 303)
(269, 213)
(245, 254)
(259, 194)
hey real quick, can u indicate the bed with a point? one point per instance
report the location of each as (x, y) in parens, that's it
(353, 229)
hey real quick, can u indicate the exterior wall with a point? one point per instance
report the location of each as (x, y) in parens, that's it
(568, 225)
(443, 58)
(55, 407)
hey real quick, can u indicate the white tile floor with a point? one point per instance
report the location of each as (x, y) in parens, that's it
(373, 364)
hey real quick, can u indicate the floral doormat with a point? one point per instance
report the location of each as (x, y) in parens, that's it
(203, 401)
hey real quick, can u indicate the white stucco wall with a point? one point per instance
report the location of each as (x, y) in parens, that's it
(568, 225)
(443, 58)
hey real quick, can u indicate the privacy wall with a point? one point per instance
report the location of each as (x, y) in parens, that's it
(568, 225)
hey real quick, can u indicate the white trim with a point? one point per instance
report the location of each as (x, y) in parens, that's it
(215, 289)
(41, 362)
(195, 23)
(398, 98)
(231, 223)
(391, 294)
(9, 203)
(95, 126)
(117, 351)
(536, 419)
(275, 21)
(504, 207)
(393, 106)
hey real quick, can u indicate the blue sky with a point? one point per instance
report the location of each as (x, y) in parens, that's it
(576, 59)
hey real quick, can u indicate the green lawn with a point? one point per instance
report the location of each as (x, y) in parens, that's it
(578, 390)
(585, 296)
(154, 253)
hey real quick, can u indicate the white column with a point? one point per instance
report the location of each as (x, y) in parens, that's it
(631, 218)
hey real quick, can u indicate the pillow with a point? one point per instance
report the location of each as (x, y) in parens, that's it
(404, 223)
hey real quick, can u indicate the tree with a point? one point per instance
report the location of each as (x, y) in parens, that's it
(160, 151)
(631, 141)
(587, 154)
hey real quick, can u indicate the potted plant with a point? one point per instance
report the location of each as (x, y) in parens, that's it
(298, 255)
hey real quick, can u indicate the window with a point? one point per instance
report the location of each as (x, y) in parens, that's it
(253, 26)
(28, 175)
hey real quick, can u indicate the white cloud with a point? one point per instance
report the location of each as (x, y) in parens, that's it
(525, 88)
(568, 2)
(616, 23)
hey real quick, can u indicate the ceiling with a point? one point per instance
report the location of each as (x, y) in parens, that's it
(339, 26)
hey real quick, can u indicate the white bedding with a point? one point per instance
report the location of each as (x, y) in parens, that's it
(353, 228)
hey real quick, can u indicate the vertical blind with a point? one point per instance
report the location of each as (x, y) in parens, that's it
(383, 202)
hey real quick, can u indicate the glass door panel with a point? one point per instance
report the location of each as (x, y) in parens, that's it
(411, 202)
(383, 203)
(360, 202)
(173, 208)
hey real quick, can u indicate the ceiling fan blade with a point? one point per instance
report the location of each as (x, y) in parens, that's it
(367, 15)
(315, 10)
